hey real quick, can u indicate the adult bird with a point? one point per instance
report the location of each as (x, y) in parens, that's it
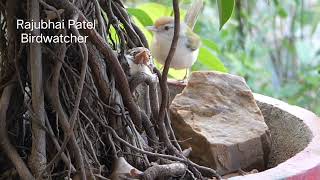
(187, 49)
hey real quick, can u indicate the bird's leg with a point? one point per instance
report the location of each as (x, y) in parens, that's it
(186, 75)
(161, 68)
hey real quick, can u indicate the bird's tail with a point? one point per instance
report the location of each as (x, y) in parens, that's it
(193, 13)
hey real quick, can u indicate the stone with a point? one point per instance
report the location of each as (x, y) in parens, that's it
(217, 116)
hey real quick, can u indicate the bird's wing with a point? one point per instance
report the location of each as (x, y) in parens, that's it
(193, 41)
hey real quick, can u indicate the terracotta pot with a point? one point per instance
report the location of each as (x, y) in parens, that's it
(295, 133)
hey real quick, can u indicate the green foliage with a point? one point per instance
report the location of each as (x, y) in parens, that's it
(155, 10)
(208, 58)
(225, 8)
(280, 9)
(211, 44)
(143, 17)
(210, 61)
(274, 44)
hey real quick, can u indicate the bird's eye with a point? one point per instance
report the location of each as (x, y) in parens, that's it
(166, 28)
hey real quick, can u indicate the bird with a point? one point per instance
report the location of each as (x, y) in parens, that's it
(140, 61)
(189, 43)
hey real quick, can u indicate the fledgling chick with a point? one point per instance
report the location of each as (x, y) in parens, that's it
(140, 60)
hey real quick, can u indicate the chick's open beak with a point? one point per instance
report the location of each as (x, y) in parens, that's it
(142, 57)
(152, 28)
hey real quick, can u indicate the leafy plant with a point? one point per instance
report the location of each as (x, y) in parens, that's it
(225, 10)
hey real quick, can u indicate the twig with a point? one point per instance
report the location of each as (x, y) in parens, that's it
(58, 147)
(115, 23)
(163, 82)
(92, 111)
(67, 127)
(125, 20)
(5, 144)
(102, 25)
(207, 170)
(119, 74)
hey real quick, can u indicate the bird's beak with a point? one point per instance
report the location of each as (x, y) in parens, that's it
(152, 28)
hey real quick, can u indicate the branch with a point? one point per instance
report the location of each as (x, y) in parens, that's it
(101, 23)
(11, 151)
(5, 144)
(163, 80)
(119, 74)
(115, 23)
(105, 49)
(100, 78)
(69, 130)
(125, 20)
(140, 78)
(163, 171)
(38, 157)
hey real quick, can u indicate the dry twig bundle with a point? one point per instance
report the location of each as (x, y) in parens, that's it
(71, 110)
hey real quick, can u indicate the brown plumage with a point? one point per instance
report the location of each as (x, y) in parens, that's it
(141, 55)
(163, 20)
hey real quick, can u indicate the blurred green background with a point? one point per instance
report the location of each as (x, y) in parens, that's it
(273, 44)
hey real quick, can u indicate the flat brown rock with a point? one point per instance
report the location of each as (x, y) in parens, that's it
(217, 116)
